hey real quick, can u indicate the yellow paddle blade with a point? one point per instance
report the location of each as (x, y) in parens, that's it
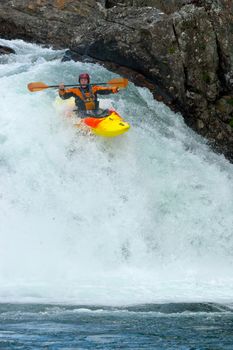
(120, 83)
(38, 86)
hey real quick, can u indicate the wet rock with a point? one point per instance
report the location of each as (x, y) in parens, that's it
(200, 124)
(167, 7)
(197, 44)
(225, 105)
(5, 50)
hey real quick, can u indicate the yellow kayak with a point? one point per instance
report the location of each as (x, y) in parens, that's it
(108, 126)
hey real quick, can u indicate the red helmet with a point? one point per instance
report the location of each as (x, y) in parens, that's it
(84, 76)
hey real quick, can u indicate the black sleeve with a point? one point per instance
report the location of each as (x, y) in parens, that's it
(104, 92)
(66, 95)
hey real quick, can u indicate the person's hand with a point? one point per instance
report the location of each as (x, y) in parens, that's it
(115, 90)
(61, 86)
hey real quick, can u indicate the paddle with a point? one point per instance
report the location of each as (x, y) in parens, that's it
(120, 83)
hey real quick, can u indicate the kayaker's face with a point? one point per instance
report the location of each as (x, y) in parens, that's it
(84, 82)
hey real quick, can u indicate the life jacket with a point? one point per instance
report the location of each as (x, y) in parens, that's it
(89, 98)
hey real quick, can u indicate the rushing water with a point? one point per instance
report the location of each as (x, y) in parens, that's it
(145, 218)
(180, 327)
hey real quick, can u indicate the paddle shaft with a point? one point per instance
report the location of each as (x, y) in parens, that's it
(57, 86)
(38, 86)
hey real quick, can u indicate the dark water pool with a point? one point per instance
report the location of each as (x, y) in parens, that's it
(165, 326)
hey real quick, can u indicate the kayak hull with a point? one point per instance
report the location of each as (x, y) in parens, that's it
(110, 126)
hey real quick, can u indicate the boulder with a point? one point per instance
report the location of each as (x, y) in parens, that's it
(5, 50)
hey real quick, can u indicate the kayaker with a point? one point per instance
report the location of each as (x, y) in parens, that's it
(85, 95)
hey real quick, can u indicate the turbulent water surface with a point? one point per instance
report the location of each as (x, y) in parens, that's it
(145, 218)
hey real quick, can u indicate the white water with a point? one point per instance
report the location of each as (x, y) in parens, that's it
(146, 217)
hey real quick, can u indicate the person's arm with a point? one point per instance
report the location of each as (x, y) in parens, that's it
(65, 93)
(101, 90)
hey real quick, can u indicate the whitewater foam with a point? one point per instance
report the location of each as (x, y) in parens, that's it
(142, 218)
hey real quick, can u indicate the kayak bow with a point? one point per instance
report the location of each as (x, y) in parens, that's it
(109, 126)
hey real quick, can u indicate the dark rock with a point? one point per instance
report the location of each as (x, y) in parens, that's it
(225, 105)
(4, 50)
(168, 6)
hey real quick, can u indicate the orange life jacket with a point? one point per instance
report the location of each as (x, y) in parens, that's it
(89, 98)
(86, 99)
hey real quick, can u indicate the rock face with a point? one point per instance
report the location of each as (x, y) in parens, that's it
(184, 48)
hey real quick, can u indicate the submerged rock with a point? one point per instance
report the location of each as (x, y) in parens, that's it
(181, 49)
(4, 50)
